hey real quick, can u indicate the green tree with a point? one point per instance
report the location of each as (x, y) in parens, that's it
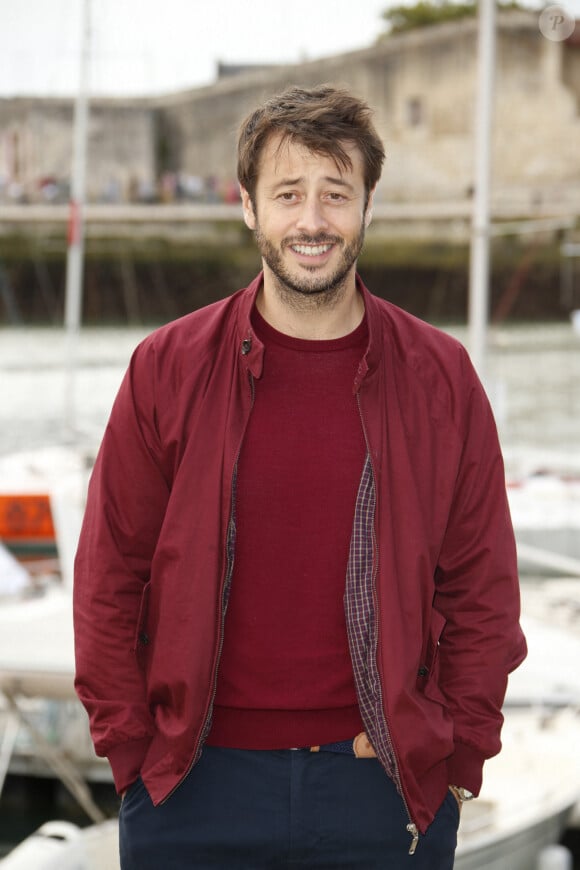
(425, 14)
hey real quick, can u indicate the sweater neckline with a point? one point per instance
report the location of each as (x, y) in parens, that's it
(269, 334)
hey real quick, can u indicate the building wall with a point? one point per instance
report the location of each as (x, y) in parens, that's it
(422, 85)
(537, 121)
(428, 119)
(122, 150)
(571, 67)
(36, 149)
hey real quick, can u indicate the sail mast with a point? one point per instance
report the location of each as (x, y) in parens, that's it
(479, 270)
(76, 240)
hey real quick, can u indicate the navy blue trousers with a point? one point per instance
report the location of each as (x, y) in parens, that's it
(261, 810)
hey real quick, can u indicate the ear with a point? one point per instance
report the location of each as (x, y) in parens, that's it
(248, 209)
(369, 209)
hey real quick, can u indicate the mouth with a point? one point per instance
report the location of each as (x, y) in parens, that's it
(311, 250)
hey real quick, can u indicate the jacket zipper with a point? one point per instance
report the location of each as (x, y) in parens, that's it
(225, 584)
(411, 827)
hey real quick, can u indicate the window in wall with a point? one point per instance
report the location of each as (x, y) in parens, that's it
(414, 111)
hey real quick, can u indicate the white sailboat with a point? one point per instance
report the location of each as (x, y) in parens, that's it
(532, 788)
(63, 846)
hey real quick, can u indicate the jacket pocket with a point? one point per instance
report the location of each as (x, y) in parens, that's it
(428, 671)
(142, 640)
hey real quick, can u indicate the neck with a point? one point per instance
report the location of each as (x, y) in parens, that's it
(310, 317)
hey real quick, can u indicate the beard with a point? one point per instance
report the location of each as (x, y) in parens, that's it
(303, 288)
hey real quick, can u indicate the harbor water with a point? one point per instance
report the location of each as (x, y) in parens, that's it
(532, 376)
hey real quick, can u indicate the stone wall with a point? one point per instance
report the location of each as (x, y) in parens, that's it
(36, 149)
(422, 85)
(571, 67)
(537, 120)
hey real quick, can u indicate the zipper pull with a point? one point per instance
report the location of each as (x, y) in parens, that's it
(412, 829)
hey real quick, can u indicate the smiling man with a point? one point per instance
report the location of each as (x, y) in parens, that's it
(296, 597)
(309, 219)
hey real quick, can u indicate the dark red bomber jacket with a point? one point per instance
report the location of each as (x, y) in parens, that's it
(153, 552)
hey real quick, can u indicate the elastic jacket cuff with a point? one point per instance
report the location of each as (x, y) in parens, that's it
(465, 768)
(126, 761)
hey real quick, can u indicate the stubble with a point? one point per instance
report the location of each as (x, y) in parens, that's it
(305, 290)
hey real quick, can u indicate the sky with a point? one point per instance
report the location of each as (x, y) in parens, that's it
(146, 47)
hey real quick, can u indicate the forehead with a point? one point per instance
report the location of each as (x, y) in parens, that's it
(283, 157)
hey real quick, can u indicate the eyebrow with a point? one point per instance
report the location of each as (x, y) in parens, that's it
(329, 179)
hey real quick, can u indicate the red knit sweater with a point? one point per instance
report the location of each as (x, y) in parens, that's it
(285, 676)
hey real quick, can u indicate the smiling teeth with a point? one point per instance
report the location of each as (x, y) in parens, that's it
(311, 250)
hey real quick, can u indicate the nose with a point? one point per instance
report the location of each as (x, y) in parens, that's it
(311, 218)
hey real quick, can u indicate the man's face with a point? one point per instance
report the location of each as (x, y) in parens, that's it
(308, 217)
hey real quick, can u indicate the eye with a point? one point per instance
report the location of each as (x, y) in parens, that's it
(287, 196)
(335, 196)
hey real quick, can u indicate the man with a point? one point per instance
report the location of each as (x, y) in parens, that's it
(296, 598)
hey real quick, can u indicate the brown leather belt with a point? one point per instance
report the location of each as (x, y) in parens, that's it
(360, 747)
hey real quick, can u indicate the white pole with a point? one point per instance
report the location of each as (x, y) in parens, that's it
(75, 253)
(480, 227)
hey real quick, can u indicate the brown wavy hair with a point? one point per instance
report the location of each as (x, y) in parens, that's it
(322, 119)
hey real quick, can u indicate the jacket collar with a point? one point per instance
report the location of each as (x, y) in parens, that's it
(249, 345)
(374, 349)
(252, 349)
